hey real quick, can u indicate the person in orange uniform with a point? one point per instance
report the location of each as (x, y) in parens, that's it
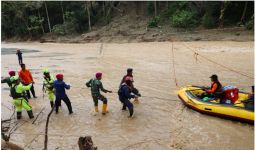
(27, 78)
(216, 87)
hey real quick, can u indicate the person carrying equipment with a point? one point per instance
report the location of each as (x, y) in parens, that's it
(129, 76)
(48, 83)
(7, 80)
(96, 85)
(19, 53)
(17, 93)
(60, 93)
(124, 93)
(27, 78)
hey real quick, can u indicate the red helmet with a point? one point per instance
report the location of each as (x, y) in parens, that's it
(12, 73)
(59, 76)
(98, 75)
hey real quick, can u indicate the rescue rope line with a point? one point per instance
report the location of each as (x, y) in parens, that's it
(196, 54)
(46, 129)
(175, 79)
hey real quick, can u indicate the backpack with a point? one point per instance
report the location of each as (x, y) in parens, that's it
(14, 94)
(120, 89)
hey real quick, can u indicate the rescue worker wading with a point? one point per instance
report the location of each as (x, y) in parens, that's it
(129, 76)
(7, 80)
(60, 93)
(96, 85)
(48, 81)
(125, 96)
(27, 78)
(17, 93)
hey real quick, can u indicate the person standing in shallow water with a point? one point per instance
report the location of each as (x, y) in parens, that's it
(19, 53)
(60, 93)
(27, 78)
(125, 96)
(96, 85)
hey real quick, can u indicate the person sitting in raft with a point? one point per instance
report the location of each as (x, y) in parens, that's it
(249, 103)
(215, 91)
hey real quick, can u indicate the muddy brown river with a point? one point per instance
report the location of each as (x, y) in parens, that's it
(161, 121)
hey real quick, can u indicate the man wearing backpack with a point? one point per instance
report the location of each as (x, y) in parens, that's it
(17, 93)
(125, 96)
(129, 76)
(96, 85)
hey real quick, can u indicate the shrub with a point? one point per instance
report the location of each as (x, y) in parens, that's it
(184, 19)
(208, 21)
(250, 24)
(153, 22)
(59, 29)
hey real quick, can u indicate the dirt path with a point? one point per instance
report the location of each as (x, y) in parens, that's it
(161, 121)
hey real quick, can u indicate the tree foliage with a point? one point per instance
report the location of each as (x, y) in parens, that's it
(35, 18)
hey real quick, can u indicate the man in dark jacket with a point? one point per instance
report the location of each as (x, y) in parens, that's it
(129, 76)
(60, 93)
(19, 53)
(125, 96)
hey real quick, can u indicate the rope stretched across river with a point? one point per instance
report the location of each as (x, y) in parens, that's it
(196, 54)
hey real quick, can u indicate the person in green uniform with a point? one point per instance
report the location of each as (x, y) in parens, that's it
(19, 101)
(7, 79)
(96, 85)
(48, 86)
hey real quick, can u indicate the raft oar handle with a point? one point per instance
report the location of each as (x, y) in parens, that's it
(202, 87)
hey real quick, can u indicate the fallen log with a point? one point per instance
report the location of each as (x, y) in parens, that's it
(86, 143)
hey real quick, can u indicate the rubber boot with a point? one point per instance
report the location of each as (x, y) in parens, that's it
(96, 109)
(19, 115)
(30, 114)
(51, 104)
(131, 113)
(124, 107)
(104, 109)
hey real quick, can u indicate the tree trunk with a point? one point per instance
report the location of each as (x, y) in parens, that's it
(155, 8)
(88, 12)
(40, 18)
(47, 16)
(104, 8)
(61, 3)
(244, 12)
(224, 6)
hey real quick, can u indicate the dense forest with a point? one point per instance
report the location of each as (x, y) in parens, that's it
(37, 18)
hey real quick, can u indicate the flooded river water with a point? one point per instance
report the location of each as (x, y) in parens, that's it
(161, 121)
